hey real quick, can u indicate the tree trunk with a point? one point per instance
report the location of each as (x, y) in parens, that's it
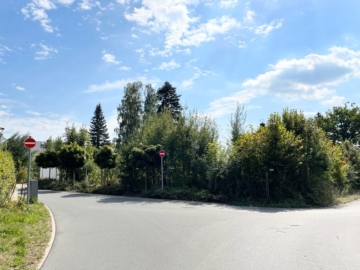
(73, 178)
(49, 172)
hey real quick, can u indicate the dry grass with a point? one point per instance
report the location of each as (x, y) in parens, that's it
(347, 198)
(24, 235)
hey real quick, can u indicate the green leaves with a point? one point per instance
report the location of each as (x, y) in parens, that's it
(7, 177)
(98, 130)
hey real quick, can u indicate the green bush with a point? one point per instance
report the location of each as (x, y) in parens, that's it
(7, 178)
(189, 194)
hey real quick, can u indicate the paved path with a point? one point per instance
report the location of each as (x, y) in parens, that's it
(107, 232)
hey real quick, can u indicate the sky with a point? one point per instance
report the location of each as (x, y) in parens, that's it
(60, 58)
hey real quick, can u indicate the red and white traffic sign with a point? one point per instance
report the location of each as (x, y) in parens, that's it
(29, 143)
(162, 153)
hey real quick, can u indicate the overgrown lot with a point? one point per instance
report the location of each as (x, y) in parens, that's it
(24, 235)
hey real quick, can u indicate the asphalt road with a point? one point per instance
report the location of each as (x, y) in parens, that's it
(106, 232)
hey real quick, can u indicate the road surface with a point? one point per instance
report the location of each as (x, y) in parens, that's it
(107, 232)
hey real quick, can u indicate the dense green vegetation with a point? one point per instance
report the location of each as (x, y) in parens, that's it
(7, 177)
(24, 234)
(287, 160)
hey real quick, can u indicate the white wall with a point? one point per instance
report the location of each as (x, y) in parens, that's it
(44, 173)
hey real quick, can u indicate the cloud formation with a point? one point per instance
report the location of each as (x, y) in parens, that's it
(311, 78)
(120, 84)
(168, 65)
(109, 58)
(174, 19)
(44, 52)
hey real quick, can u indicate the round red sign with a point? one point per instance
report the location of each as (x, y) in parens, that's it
(29, 143)
(162, 153)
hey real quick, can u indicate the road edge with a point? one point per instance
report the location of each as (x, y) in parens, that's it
(51, 241)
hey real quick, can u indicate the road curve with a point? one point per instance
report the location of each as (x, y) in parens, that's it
(107, 232)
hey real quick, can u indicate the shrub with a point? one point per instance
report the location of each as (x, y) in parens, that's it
(7, 178)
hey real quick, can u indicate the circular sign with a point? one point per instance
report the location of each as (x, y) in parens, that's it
(162, 153)
(29, 143)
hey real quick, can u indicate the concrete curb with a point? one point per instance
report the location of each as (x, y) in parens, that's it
(51, 241)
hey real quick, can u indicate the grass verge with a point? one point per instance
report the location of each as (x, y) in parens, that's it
(24, 235)
(347, 198)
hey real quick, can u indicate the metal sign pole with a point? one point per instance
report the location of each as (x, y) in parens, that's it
(28, 182)
(162, 174)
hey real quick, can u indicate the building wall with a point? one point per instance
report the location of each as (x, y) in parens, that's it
(44, 173)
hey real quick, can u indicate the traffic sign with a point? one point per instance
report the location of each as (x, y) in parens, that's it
(162, 153)
(29, 143)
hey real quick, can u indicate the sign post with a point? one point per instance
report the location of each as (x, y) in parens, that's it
(162, 155)
(29, 143)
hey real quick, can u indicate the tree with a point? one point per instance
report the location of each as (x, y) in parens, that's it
(150, 100)
(98, 130)
(169, 100)
(47, 159)
(72, 157)
(105, 158)
(15, 145)
(237, 122)
(341, 123)
(129, 113)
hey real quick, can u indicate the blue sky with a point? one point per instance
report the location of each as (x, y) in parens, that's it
(59, 58)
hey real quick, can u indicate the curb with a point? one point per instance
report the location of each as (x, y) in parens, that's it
(51, 241)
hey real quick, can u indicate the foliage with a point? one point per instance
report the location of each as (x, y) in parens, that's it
(98, 130)
(169, 100)
(72, 157)
(129, 113)
(15, 145)
(150, 106)
(302, 161)
(341, 123)
(105, 158)
(237, 122)
(189, 194)
(47, 159)
(7, 177)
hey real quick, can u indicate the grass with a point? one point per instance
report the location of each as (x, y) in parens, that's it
(24, 235)
(347, 198)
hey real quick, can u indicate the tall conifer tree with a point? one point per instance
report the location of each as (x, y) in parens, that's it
(98, 130)
(169, 99)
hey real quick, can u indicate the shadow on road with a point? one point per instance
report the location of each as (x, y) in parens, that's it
(190, 204)
(43, 191)
(144, 201)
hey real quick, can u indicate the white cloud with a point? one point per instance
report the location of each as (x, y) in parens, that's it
(174, 18)
(111, 123)
(122, 2)
(109, 58)
(134, 36)
(86, 5)
(309, 78)
(125, 68)
(20, 88)
(120, 84)
(228, 3)
(265, 29)
(65, 2)
(37, 12)
(40, 127)
(242, 44)
(188, 64)
(33, 113)
(3, 51)
(334, 101)
(45, 52)
(249, 16)
(168, 65)
(199, 73)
